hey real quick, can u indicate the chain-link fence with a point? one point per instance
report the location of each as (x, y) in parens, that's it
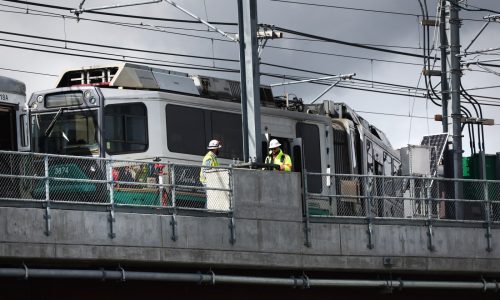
(404, 197)
(85, 180)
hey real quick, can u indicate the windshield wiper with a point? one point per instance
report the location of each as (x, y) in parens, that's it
(53, 122)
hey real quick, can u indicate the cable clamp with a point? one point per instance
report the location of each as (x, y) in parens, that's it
(103, 274)
(200, 281)
(123, 273)
(305, 281)
(484, 284)
(26, 273)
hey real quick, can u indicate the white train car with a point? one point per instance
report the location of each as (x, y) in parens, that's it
(136, 112)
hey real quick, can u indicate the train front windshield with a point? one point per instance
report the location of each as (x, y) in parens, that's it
(66, 132)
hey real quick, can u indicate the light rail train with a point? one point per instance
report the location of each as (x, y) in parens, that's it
(131, 111)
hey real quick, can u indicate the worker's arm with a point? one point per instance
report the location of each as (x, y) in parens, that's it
(286, 165)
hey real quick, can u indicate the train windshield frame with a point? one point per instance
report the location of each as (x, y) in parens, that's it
(66, 132)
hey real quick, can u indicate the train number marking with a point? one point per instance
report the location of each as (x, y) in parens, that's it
(61, 171)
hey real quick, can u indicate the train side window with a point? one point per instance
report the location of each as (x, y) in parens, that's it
(186, 129)
(226, 127)
(312, 153)
(23, 128)
(126, 128)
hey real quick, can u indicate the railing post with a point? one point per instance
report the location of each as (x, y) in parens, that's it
(333, 191)
(232, 227)
(172, 181)
(487, 206)
(47, 215)
(307, 228)
(428, 200)
(384, 199)
(173, 221)
(368, 210)
(111, 182)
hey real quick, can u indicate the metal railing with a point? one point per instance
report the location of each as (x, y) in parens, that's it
(401, 197)
(97, 181)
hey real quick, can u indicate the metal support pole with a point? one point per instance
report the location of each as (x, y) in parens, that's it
(252, 80)
(455, 97)
(243, 82)
(445, 88)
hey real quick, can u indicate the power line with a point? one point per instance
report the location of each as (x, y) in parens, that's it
(367, 44)
(361, 9)
(348, 8)
(391, 114)
(294, 32)
(150, 51)
(342, 55)
(193, 67)
(121, 56)
(55, 15)
(484, 87)
(114, 47)
(27, 72)
(476, 8)
(118, 15)
(140, 26)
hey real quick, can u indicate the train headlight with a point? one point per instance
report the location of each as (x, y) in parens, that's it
(34, 105)
(87, 94)
(39, 99)
(92, 100)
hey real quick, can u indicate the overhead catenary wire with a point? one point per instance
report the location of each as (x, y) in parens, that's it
(336, 41)
(233, 70)
(139, 26)
(151, 27)
(206, 68)
(65, 8)
(358, 9)
(27, 72)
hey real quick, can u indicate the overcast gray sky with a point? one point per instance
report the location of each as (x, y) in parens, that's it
(356, 22)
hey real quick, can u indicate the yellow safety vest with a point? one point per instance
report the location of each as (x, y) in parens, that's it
(281, 159)
(210, 160)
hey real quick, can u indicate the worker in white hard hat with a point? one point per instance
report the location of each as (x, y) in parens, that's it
(277, 157)
(210, 159)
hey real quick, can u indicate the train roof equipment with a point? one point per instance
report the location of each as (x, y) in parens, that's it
(132, 76)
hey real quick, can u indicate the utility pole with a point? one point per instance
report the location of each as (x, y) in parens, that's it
(250, 80)
(445, 88)
(455, 98)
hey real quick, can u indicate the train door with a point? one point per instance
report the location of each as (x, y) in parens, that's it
(8, 139)
(296, 154)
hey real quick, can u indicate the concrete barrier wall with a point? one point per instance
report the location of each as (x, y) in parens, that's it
(269, 234)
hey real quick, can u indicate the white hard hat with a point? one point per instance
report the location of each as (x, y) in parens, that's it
(274, 144)
(214, 144)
